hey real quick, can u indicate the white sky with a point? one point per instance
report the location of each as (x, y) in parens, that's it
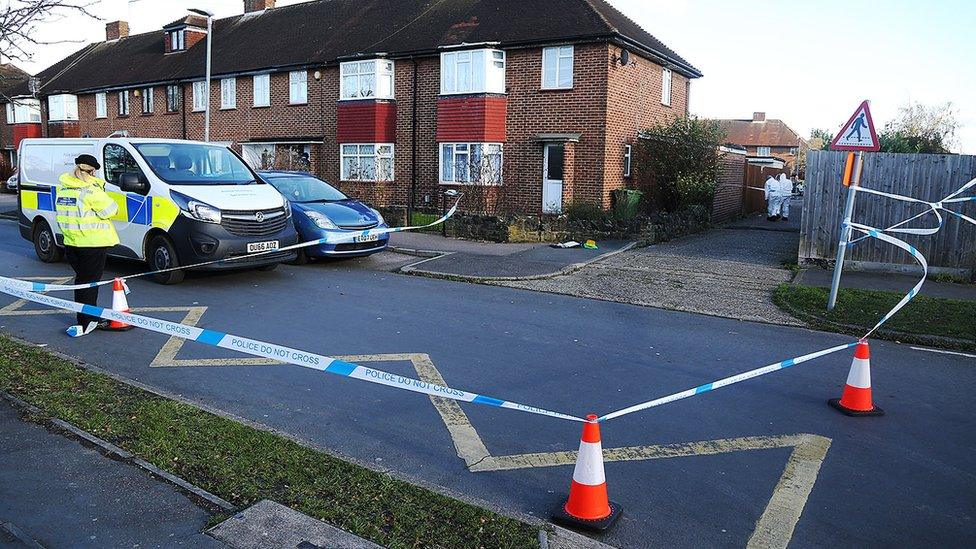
(808, 63)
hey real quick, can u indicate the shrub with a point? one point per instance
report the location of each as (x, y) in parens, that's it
(693, 190)
(682, 148)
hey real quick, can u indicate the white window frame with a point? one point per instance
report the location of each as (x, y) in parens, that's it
(200, 96)
(455, 152)
(228, 93)
(124, 109)
(666, 81)
(177, 40)
(383, 75)
(173, 91)
(27, 111)
(460, 71)
(10, 112)
(763, 151)
(628, 159)
(261, 84)
(101, 105)
(147, 101)
(298, 87)
(376, 155)
(62, 107)
(562, 59)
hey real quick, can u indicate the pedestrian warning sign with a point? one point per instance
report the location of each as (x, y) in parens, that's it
(858, 134)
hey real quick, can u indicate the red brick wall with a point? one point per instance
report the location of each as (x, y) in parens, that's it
(6, 130)
(23, 131)
(368, 121)
(729, 191)
(470, 118)
(63, 128)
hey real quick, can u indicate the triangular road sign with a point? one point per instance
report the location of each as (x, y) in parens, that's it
(858, 134)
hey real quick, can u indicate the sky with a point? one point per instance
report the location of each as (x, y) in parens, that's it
(808, 63)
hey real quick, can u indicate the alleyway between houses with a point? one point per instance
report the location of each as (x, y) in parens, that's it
(729, 271)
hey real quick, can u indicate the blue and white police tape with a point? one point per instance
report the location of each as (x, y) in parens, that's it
(273, 351)
(333, 236)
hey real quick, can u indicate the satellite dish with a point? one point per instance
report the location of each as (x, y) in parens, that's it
(624, 57)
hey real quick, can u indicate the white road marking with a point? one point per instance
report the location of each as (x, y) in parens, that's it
(944, 352)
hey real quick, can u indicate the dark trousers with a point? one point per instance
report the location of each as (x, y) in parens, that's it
(88, 264)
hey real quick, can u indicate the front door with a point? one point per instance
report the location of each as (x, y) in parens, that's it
(552, 178)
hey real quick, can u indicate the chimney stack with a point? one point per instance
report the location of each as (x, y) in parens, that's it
(116, 30)
(258, 5)
(758, 117)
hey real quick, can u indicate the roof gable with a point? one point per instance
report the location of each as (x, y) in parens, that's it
(768, 133)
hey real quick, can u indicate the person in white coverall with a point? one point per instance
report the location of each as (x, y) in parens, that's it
(773, 202)
(785, 185)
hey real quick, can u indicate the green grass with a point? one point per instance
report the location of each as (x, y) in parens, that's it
(926, 320)
(244, 465)
(420, 218)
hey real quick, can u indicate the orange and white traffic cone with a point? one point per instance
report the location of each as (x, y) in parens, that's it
(856, 398)
(588, 505)
(120, 304)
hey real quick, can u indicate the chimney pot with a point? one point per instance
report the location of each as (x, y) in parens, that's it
(258, 5)
(758, 117)
(116, 30)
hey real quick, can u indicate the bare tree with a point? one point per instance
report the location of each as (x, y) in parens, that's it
(19, 20)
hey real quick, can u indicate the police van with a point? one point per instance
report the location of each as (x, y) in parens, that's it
(180, 203)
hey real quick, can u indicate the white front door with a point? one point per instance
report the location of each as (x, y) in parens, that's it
(552, 178)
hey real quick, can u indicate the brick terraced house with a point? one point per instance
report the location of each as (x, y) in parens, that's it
(765, 140)
(533, 103)
(14, 83)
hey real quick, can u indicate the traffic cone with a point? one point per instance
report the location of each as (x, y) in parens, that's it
(856, 398)
(120, 304)
(588, 505)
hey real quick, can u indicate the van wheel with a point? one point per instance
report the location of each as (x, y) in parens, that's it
(45, 246)
(160, 254)
(301, 259)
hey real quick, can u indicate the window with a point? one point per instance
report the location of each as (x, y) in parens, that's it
(473, 71)
(762, 151)
(199, 96)
(298, 87)
(147, 101)
(793, 151)
(124, 103)
(117, 162)
(628, 156)
(62, 107)
(478, 163)
(666, 87)
(177, 40)
(367, 162)
(557, 68)
(10, 113)
(101, 107)
(367, 79)
(27, 110)
(228, 93)
(173, 98)
(262, 90)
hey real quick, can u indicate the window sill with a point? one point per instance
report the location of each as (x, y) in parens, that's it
(123, 116)
(367, 98)
(172, 112)
(365, 181)
(668, 105)
(470, 184)
(545, 89)
(268, 106)
(146, 114)
(474, 92)
(297, 104)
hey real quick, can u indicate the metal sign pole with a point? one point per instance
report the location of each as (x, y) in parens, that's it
(845, 234)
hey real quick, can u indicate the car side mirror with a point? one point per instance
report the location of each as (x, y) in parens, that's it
(133, 183)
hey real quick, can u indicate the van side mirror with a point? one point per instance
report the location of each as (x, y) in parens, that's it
(133, 183)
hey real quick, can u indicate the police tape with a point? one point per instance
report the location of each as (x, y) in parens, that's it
(333, 236)
(274, 351)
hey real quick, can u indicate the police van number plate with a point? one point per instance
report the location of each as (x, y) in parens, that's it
(367, 238)
(253, 247)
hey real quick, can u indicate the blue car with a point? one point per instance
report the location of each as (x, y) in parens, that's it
(317, 206)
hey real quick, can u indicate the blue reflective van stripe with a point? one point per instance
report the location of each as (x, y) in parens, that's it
(340, 367)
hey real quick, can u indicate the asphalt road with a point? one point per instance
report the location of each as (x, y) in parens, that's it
(905, 479)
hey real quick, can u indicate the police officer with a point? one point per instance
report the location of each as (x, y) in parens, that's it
(84, 212)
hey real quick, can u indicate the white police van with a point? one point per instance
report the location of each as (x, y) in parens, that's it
(180, 202)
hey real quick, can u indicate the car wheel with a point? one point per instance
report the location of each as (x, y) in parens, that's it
(45, 245)
(161, 254)
(301, 259)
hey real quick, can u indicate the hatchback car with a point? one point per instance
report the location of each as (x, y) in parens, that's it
(12, 183)
(318, 207)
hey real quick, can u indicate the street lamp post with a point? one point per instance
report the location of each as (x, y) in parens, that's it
(206, 114)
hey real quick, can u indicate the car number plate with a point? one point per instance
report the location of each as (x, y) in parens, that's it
(253, 247)
(367, 238)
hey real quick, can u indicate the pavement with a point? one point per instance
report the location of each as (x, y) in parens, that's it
(8, 205)
(730, 271)
(464, 259)
(888, 282)
(765, 461)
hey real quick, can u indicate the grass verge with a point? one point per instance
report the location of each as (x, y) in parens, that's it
(925, 320)
(244, 465)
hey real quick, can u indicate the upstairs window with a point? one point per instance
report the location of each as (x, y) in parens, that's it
(124, 103)
(262, 90)
(298, 87)
(471, 163)
(177, 40)
(101, 107)
(27, 110)
(228, 93)
(62, 107)
(762, 151)
(666, 87)
(367, 79)
(557, 68)
(473, 71)
(367, 162)
(200, 95)
(173, 98)
(147, 101)
(628, 157)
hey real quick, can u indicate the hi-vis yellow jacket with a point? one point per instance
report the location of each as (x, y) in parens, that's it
(83, 212)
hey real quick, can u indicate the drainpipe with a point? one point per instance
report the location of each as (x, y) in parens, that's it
(413, 147)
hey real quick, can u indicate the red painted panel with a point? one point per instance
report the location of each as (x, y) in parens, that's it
(366, 122)
(479, 119)
(25, 130)
(68, 128)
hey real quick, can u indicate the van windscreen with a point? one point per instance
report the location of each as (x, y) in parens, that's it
(195, 164)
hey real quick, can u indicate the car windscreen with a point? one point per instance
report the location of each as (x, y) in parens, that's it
(195, 164)
(304, 188)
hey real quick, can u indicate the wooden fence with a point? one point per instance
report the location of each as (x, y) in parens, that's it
(928, 177)
(755, 177)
